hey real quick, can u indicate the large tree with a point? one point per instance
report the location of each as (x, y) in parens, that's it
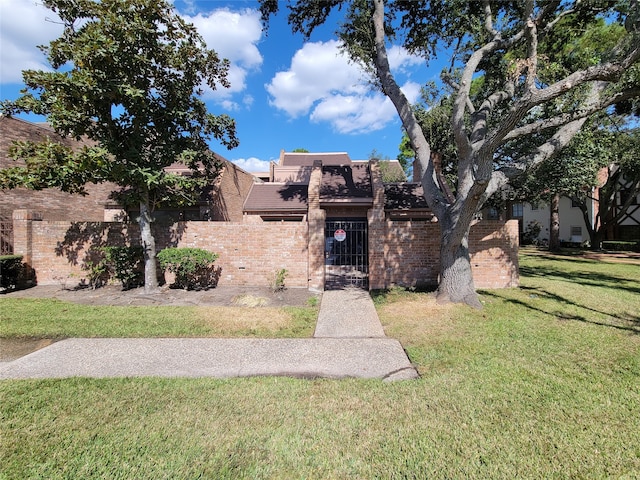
(127, 75)
(516, 46)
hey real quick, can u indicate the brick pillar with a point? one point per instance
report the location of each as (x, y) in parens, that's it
(23, 233)
(316, 219)
(377, 231)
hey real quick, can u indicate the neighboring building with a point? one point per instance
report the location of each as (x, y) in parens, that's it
(572, 222)
(222, 201)
(572, 227)
(52, 204)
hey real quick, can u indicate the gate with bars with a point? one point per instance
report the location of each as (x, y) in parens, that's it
(346, 253)
(6, 236)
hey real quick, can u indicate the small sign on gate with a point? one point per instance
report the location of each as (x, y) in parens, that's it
(340, 235)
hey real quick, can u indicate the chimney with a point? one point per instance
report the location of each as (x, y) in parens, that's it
(417, 170)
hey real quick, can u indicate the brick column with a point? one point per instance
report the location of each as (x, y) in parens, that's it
(316, 219)
(377, 231)
(23, 233)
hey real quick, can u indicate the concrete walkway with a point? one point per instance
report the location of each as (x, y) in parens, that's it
(348, 342)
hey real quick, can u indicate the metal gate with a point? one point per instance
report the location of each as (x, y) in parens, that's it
(346, 253)
(6, 237)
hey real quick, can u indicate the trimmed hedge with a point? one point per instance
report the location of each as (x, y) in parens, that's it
(620, 246)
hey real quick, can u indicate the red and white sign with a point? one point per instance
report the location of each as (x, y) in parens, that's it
(340, 235)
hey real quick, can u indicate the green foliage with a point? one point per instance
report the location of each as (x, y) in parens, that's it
(530, 234)
(11, 272)
(278, 280)
(122, 263)
(127, 77)
(619, 246)
(192, 266)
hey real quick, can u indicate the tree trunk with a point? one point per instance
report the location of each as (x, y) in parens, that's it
(596, 239)
(456, 279)
(148, 247)
(554, 224)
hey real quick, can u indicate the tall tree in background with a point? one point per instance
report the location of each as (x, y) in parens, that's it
(127, 75)
(573, 173)
(527, 92)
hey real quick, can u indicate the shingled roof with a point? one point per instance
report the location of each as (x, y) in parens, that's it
(346, 182)
(404, 196)
(277, 197)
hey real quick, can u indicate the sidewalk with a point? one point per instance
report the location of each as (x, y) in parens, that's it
(349, 342)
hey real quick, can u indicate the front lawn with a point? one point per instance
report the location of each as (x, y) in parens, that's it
(544, 382)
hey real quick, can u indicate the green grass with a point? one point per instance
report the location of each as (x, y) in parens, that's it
(48, 318)
(544, 382)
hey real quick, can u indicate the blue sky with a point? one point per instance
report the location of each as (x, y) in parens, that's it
(285, 93)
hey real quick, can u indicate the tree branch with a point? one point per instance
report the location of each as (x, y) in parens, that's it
(565, 118)
(435, 198)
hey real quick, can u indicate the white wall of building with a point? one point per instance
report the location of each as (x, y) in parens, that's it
(572, 227)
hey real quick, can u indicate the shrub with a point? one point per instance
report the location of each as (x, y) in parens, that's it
(123, 263)
(11, 272)
(620, 246)
(278, 280)
(191, 266)
(530, 235)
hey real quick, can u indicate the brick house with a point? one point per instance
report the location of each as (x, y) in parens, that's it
(222, 201)
(328, 220)
(365, 232)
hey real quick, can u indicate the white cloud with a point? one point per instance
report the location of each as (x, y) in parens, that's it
(24, 25)
(317, 71)
(399, 58)
(323, 84)
(234, 36)
(355, 114)
(252, 164)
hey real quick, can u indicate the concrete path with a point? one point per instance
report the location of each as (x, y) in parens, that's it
(349, 342)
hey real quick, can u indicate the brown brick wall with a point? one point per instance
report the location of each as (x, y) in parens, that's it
(51, 203)
(248, 254)
(412, 252)
(230, 193)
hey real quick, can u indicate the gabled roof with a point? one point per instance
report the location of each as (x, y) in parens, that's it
(277, 197)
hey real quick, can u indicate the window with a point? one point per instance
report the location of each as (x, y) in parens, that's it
(534, 206)
(493, 214)
(576, 235)
(516, 210)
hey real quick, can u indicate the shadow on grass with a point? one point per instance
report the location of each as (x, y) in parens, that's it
(581, 278)
(627, 322)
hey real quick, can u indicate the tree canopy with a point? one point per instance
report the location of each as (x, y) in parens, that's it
(519, 70)
(127, 75)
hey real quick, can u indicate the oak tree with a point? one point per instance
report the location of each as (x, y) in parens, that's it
(527, 92)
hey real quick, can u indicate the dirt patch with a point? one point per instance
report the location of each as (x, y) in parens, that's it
(227, 296)
(14, 348)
